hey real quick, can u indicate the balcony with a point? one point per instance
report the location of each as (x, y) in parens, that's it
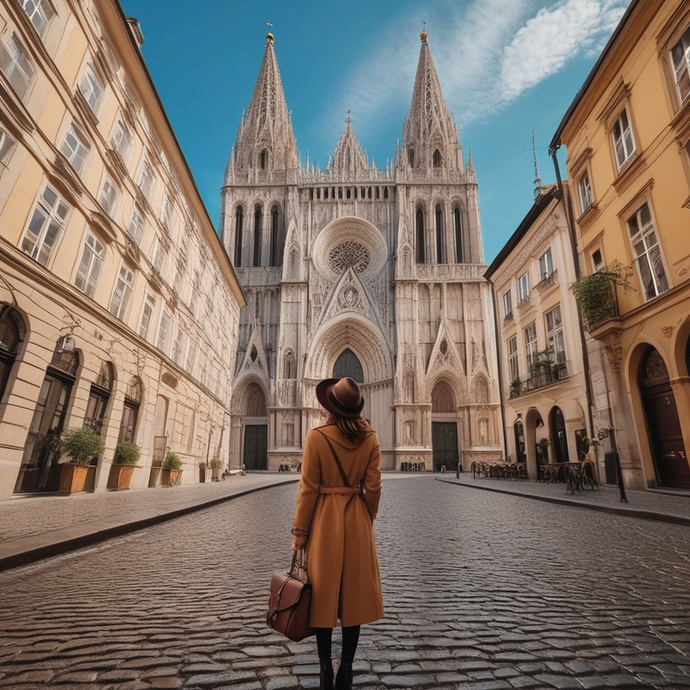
(596, 294)
(544, 372)
(508, 318)
(549, 281)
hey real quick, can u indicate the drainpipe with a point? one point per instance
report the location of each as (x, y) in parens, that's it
(570, 221)
(500, 370)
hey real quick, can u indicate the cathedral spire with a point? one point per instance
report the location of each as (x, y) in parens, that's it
(265, 140)
(348, 161)
(430, 137)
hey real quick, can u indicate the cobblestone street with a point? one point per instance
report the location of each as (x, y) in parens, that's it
(482, 590)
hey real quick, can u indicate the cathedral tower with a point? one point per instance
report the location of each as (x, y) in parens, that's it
(353, 270)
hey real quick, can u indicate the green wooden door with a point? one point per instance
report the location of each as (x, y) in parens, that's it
(444, 442)
(255, 447)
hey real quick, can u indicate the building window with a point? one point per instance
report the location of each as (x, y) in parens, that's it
(178, 345)
(507, 305)
(274, 236)
(40, 13)
(166, 213)
(76, 148)
(258, 216)
(348, 364)
(12, 332)
(523, 287)
(419, 224)
(16, 66)
(178, 278)
(6, 144)
(554, 334)
(545, 264)
(531, 344)
(239, 218)
(91, 88)
(513, 363)
(130, 412)
(457, 234)
(146, 180)
(623, 141)
(191, 356)
(136, 225)
(122, 293)
(109, 197)
(121, 140)
(584, 191)
(647, 253)
(597, 260)
(440, 244)
(147, 315)
(680, 57)
(437, 159)
(158, 255)
(162, 342)
(89, 270)
(45, 226)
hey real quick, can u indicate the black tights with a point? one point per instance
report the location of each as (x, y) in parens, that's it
(350, 640)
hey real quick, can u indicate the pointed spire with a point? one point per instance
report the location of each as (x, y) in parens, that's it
(538, 184)
(470, 175)
(348, 161)
(429, 135)
(265, 140)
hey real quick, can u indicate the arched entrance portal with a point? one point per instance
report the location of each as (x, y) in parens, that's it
(255, 447)
(559, 436)
(348, 364)
(520, 453)
(663, 426)
(444, 428)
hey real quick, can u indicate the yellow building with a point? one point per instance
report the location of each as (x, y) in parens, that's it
(627, 135)
(118, 305)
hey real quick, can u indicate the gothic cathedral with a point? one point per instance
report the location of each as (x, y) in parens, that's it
(363, 272)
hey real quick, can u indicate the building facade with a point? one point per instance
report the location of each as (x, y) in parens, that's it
(630, 164)
(541, 355)
(360, 271)
(119, 308)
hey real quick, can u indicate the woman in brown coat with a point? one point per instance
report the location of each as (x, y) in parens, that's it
(336, 507)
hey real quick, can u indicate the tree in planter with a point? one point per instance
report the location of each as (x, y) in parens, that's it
(596, 293)
(80, 446)
(216, 467)
(125, 459)
(172, 465)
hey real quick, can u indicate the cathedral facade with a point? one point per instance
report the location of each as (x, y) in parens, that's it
(364, 272)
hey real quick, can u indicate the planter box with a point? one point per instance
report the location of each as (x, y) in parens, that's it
(120, 477)
(216, 473)
(72, 478)
(170, 477)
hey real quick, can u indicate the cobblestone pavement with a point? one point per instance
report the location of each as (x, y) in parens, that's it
(482, 591)
(660, 504)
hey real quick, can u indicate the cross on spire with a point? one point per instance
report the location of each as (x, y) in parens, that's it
(269, 24)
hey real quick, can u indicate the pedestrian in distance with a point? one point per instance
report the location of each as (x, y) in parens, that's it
(338, 499)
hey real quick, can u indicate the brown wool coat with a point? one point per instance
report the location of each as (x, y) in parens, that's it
(341, 554)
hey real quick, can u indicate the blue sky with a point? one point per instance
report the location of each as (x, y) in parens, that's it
(507, 67)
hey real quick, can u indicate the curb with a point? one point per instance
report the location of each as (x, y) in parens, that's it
(625, 512)
(36, 547)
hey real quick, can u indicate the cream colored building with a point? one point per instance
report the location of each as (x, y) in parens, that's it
(627, 135)
(544, 387)
(119, 308)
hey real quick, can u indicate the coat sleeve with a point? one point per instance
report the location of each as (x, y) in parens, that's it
(308, 486)
(372, 480)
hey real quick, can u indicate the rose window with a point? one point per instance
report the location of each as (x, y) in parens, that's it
(348, 254)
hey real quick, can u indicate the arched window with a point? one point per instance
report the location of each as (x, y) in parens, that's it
(239, 220)
(289, 368)
(410, 156)
(275, 238)
(442, 398)
(12, 332)
(457, 234)
(440, 244)
(130, 412)
(263, 159)
(437, 159)
(258, 217)
(419, 223)
(348, 364)
(99, 395)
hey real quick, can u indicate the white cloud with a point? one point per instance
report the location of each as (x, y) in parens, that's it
(487, 52)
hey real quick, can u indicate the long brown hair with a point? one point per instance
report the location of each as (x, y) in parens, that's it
(355, 429)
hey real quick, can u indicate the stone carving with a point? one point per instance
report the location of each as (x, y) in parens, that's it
(348, 255)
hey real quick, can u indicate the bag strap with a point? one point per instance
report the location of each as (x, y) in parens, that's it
(335, 455)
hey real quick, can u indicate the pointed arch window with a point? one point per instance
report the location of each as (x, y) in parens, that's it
(458, 235)
(289, 368)
(275, 237)
(437, 159)
(419, 233)
(258, 217)
(263, 159)
(410, 156)
(239, 221)
(348, 364)
(440, 244)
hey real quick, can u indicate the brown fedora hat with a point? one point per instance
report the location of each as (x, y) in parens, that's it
(340, 396)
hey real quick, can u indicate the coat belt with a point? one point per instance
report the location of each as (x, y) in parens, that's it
(340, 490)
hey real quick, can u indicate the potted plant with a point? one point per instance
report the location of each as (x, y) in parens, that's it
(216, 467)
(202, 472)
(125, 460)
(172, 466)
(515, 388)
(80, 446)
